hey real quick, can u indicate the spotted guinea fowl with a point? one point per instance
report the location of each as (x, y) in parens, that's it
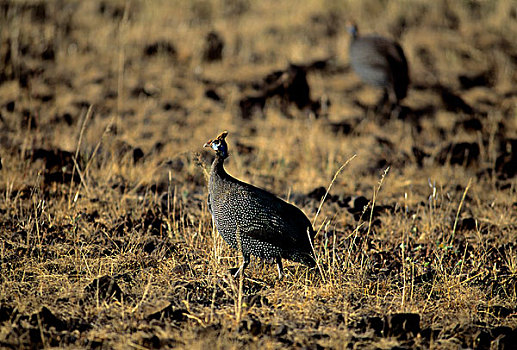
(254, 220)
(380, 62)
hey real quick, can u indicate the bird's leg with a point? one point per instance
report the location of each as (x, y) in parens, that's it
(245, 263)
(279, 267)
(396, 111)
(393, 103)
(381, 103)
(382, 108)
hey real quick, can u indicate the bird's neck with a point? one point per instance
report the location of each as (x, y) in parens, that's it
(218, 166)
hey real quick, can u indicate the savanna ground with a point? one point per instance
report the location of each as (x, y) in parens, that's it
(105, 236)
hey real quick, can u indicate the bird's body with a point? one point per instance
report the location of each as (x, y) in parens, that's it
(256, 221)
(380, 62)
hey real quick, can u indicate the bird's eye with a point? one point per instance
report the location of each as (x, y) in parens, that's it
(217, 142)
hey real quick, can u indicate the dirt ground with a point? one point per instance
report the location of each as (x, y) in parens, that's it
(105, 237)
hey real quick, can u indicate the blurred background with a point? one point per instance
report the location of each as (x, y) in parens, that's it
(164, 76)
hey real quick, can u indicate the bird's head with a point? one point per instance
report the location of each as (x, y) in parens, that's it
(219, 145)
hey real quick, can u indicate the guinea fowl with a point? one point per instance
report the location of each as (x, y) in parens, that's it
(254, 220)
(380, 62)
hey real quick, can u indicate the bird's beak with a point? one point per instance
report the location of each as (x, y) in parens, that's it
(208, 144)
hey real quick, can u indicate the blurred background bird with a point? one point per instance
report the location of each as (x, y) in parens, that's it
(380, 62)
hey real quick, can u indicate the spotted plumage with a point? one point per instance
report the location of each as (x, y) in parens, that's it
(267, 226)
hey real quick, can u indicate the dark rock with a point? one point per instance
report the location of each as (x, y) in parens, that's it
(67, 117)
(152, 342)
(471, 124)
(376, 324)
(453, 102)
(403, 325)
(498, 310)
(419, 155)
(153, 222)
(6, 313)
(344, 128)
(501, 311)
(172, 106)
(144, 90)
(82, 104)
(415, 114)
(24, 78)
(355, 205)
(359, 202)
(296, 88)
(251, 105)
(254, 327)
(104, 288)
(175, 164)
(468, 81)
(244, 149)
(111, 9)
(38, 11)
(482, 340)
(149, 246)
(165, 310)
(55, 158)
(48, 320)
(213, 95)
(292, 87)
(385, 143)
(214, 45)
(467, 224)
(251, 325)
(160, 47)
(506, 162)
(138, 154)
(61, 177)
(10, 106)
(370, 323)
(504, 337)
(289, 85)
(429, 333)
(157, 147)
(94, 344)
(48, 54)
(463, 153)
(34, 338)
(318, 193)
(287, 342)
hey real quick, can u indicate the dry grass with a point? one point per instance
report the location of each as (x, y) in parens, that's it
(75, 77)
